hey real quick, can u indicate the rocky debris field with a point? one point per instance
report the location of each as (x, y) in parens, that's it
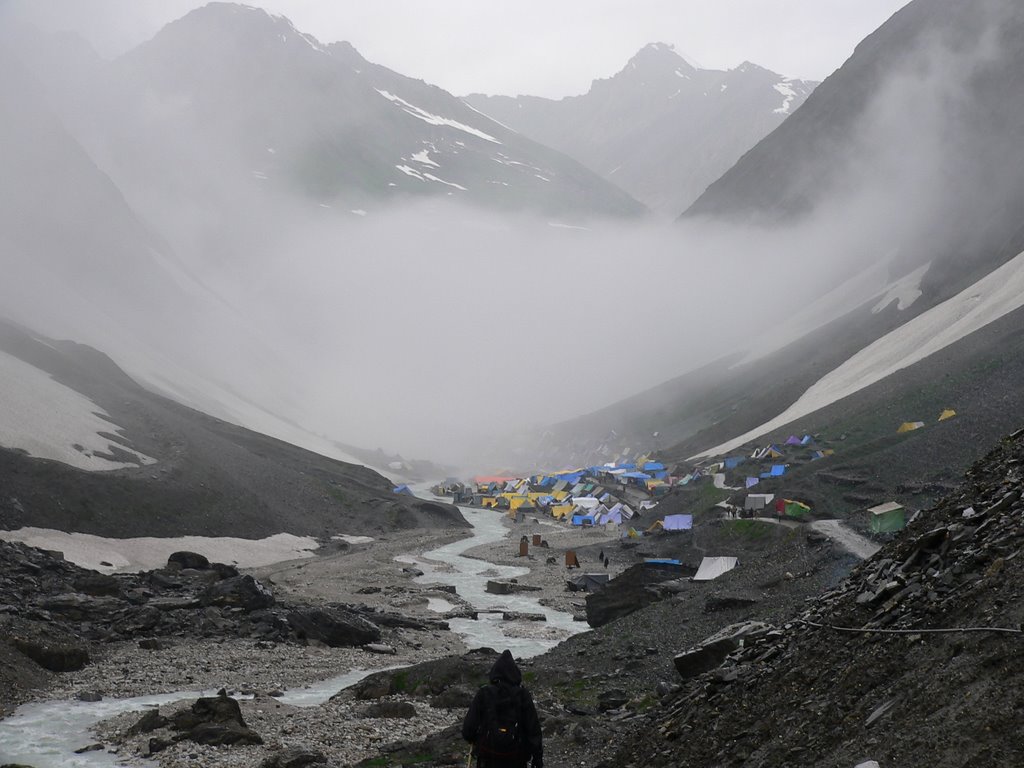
(914, 660)
(54, 615)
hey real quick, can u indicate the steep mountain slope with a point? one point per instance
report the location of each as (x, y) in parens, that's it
(911, 661)
(232, 105)
(661, 128)
(924, 116)
(946, 193)
(84, 448)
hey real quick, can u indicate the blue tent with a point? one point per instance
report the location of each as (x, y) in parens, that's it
(403, 489)
(653, 465)
(806, 439)
(582, 520)
(734, 461)
(752, 481)
(636, 475)
(778, 470)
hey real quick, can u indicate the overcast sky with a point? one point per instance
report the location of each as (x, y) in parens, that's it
(542, 47)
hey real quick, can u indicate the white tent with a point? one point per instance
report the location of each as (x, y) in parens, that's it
(678, 522)
(586, 502)
(713, 567)
(758, 501)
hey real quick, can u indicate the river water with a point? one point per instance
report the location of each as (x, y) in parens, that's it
(45, 734)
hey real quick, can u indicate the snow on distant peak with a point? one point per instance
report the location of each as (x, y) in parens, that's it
(788, 94)
(432, 119)
(48, 420)
(993, 296)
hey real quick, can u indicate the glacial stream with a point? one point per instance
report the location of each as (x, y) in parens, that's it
(45, 734)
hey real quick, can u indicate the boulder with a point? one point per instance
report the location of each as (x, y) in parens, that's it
(148, 723)
(182, 560)
(613, 699)
(380, 648)
(223, 735)
(215, 721)
(713, 652)
(238, 592)
(56, 657)
(333, 627)
(79, 607)
(97, 585)
(294, 757)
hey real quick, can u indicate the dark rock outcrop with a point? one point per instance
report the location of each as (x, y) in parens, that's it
(333, 627)
(56, 658)
(630, 591)
(239, 592)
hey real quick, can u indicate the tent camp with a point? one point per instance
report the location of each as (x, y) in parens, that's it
(678, 522)
(886, 518)
(713, 567)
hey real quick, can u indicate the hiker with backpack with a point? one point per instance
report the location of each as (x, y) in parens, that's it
(502, 723)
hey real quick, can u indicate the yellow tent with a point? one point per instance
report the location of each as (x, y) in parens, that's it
(909, 426)
(949, 413)
(561, 511)
(488, 501)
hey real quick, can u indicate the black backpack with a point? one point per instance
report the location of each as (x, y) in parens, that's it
(502, 734)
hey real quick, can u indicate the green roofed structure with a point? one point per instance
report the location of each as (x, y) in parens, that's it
(887, 518)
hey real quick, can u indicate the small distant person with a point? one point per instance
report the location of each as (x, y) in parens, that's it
(606, 562)
(502, 723)
(600, 555)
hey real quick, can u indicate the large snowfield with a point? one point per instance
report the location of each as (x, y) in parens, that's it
(147, 553)
(995, 295)
(52, 421)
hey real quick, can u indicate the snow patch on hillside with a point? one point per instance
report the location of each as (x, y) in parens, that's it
(52, 421)
(992, 297)
(432, 119)
(147, 553)
(904, 291)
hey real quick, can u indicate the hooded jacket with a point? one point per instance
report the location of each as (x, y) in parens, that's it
(506, 679)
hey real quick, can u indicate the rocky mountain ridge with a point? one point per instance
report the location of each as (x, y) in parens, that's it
(661, 128)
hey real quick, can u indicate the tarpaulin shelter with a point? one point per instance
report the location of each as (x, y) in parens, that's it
(713, 567)
(791, 508)
(734, 461)
(404, 490)
(752, 481)
(678, 522)
(949, 413)
(758, 501)
(792, 440)
(583, 520)
(909, 426)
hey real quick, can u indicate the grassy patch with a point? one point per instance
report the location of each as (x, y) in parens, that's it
(751, 530)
